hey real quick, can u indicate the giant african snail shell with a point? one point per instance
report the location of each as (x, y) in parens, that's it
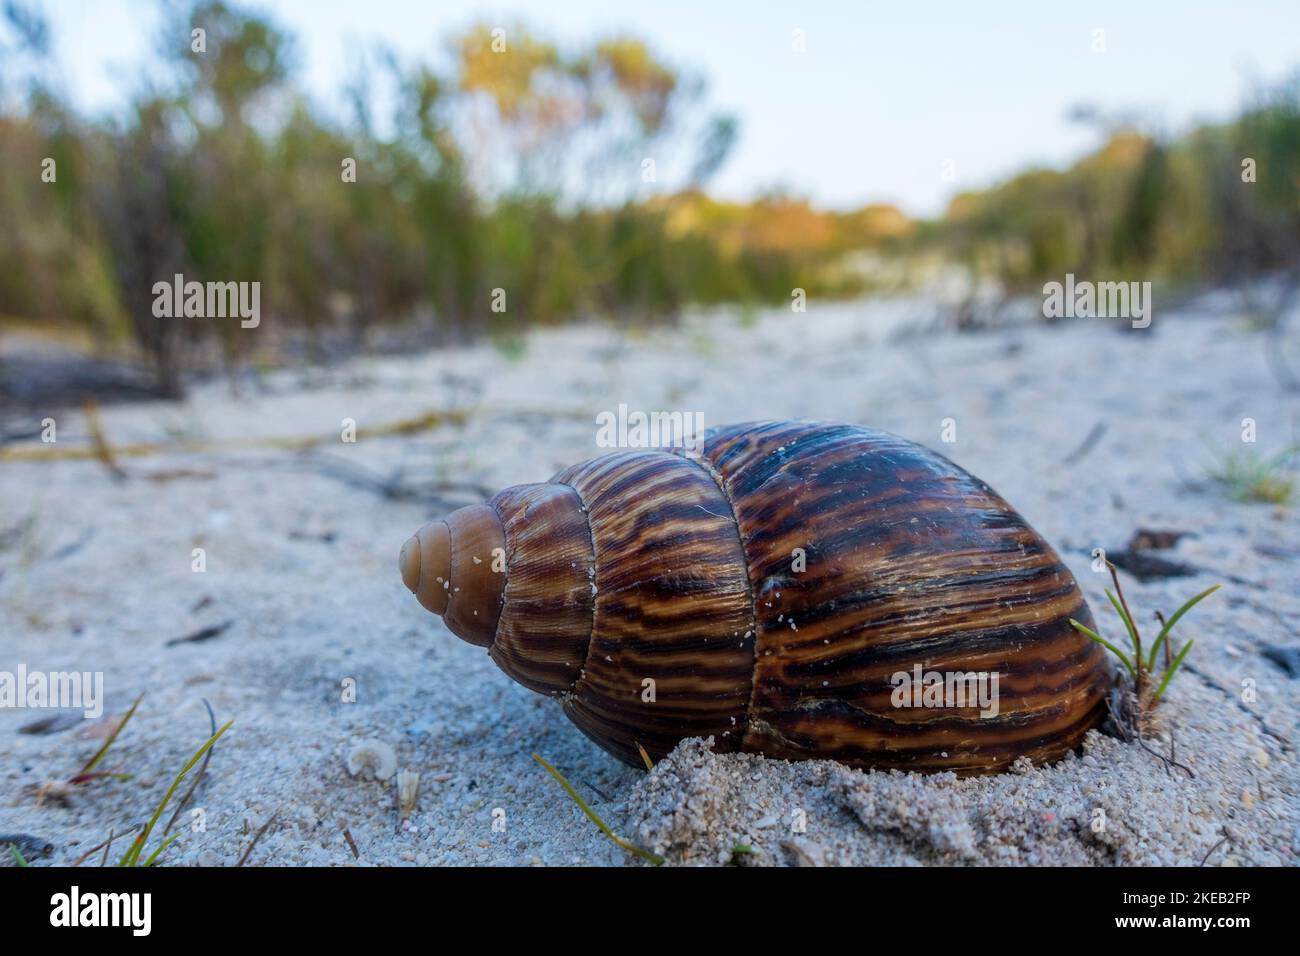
(798, 590)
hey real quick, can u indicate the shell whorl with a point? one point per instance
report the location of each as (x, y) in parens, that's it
(654, 594)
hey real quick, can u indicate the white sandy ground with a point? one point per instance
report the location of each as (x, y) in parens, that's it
(304, 565)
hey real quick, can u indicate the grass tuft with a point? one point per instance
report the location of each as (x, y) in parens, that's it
(1249, 477)
(1142, 668)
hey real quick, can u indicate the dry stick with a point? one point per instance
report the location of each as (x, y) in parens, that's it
(1213, 848)
(257, 836)
(68, 550)
(201, 635)
(1130, 731)
(1137, 638)
(599, 792)
(112, 835)
(387, 486)
(1089, 443)
(103, 451)
(1168, 761)
(352, 844)
(59, 720)
(390, 487)
(1169, 654)
(203, 768)
(405, 426)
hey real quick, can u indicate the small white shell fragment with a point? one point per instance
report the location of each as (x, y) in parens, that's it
(372, 760)
(408, 788)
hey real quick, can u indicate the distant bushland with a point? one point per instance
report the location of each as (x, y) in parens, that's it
(515, 182)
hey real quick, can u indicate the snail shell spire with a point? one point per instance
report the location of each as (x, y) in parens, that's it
(515, 575)
(449, 566)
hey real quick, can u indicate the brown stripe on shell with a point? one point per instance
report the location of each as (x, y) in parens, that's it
(672, 606)
(545, 624)
(910, 560)
(475, 595)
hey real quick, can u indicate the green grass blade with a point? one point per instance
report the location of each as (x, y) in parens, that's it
(1172, 669)
(132, 855)
(19, 859)
(1106, 644)
(1164, 632)
(595, 818)
(162, 846)
(99, 754)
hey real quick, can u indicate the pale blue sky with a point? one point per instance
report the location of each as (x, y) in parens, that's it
(883, 95)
